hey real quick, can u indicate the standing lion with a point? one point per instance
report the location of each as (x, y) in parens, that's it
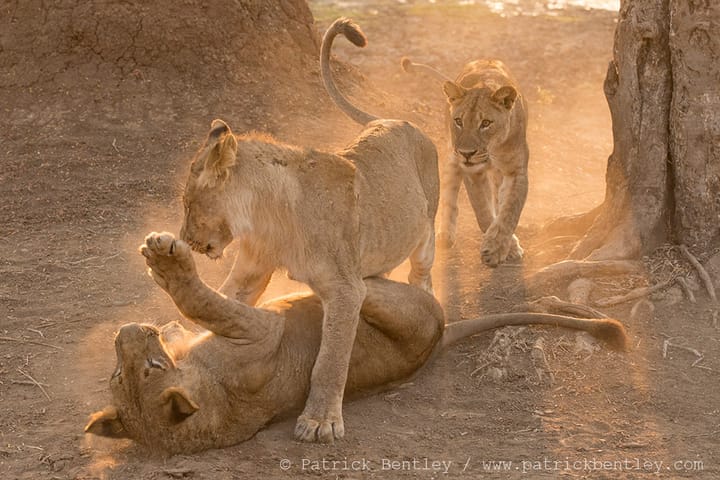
(329, 219)
(486, 123)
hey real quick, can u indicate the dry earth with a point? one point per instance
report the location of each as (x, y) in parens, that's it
(84, 179)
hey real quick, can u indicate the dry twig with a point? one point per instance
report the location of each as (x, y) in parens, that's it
(686, 288)
(21, 340)
(89, 259)
(177, 472)
(537, 354)
(28, 382)
(36, 331)
(35, 382)
(699, 356)
(701, 271)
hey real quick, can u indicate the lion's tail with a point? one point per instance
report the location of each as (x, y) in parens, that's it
(606, 329)
(412, 67)
(352, 32)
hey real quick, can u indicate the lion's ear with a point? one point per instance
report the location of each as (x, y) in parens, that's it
(106, 423)
(220, 154)
(505, 96)
(218, 126)
(223, 149)
(180, 404)
(453, 91)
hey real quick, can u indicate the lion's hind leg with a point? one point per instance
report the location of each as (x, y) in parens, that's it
(421, 262)
(450, 188)
(406, 314)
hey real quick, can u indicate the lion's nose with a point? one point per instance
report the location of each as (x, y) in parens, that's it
(468, 154)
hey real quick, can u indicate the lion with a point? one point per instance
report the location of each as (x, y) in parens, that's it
(487, 121)
(254, 365)
(328, 219)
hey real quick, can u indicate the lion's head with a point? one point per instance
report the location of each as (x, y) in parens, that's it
(171, 389)
(147, 403)
(207, 227)
(480, 119)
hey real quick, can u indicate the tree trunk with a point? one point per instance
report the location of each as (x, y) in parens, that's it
(695, 121)
(663, 89)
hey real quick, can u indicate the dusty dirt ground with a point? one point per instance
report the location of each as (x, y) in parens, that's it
(82, 185)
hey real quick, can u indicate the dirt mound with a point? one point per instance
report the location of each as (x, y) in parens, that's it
(106, 61)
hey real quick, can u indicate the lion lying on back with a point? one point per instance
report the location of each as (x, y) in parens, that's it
(486, 122)
(175, 395)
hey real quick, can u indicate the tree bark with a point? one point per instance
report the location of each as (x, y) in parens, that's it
(663, 90)
(695, 122)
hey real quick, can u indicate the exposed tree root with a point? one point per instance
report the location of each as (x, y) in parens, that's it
(571, 269)
(552, 304)
(579, 290)
(632, 295)
(707, 281)
(572, 225)
(644, 302)
(606, 249)
(603, 241)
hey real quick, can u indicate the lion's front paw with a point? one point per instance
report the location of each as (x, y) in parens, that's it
(169, 258)
(495, 248)
(320, 428)
(516, 251)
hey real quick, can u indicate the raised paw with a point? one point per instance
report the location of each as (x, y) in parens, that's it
(320, 428)
(169, 258)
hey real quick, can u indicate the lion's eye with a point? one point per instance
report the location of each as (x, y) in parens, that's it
(458, 122)
(152, 363)
(485, 123)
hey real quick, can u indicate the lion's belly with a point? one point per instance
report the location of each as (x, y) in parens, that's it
(394, 220)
